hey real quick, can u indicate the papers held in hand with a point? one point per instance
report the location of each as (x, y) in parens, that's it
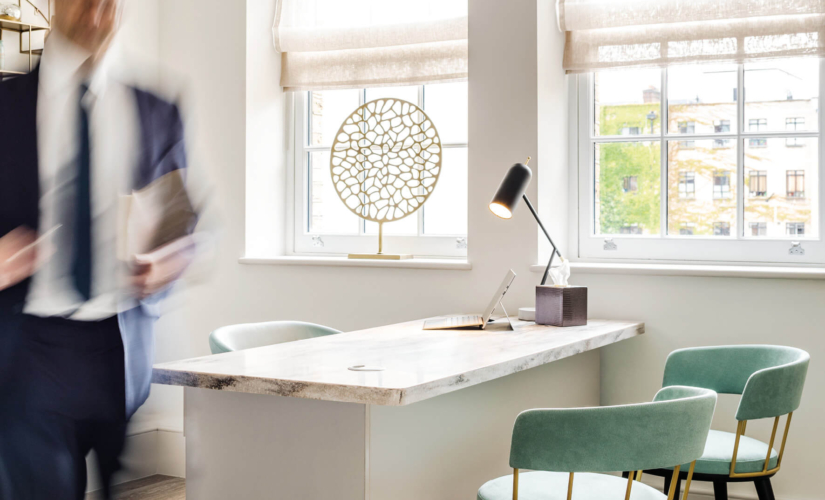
(156, 221)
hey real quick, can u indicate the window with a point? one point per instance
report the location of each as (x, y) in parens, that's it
(757, 125)
(687, 127)
(630, 131)
(758, 182)
(795, 228)
(721, 126)
(687, 184)
(794, 124)
(705, 202)
(721, 228)
(631, 229)
(721, 185)
(758, 228)
(323, 224)
(795, 182)
(629, 184)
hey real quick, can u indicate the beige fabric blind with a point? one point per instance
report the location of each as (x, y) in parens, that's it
(338, 44)
(604, 34)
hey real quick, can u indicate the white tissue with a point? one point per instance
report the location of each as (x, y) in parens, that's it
(561, 273)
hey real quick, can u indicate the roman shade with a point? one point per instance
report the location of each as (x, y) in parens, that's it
(604, 34)
(339, 44)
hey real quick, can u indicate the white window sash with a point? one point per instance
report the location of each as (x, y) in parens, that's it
(669, 248)
(305, 242)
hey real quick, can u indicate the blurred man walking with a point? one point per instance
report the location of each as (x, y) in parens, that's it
(76, 322)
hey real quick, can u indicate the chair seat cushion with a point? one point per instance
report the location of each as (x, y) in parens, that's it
(553, 486)
(719, 453)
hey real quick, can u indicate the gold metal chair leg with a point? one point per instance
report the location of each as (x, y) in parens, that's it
(689, 479)
(740, 431)
(770, 445)
(672, 492)
(784, 440)
(638, 475)
(515, 484)
(570, 487)
(629, 485)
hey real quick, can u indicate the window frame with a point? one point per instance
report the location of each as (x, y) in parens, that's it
(663, 247)
(305, 242)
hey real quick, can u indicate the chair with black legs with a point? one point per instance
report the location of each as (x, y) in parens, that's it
(770, 381)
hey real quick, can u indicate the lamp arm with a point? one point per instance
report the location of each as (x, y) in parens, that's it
(555, 250)
(536, 215)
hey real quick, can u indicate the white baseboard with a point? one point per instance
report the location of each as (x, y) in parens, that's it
(148, 452)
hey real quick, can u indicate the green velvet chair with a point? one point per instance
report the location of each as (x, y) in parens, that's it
(769, 380)
(250, 335)
(566, 449)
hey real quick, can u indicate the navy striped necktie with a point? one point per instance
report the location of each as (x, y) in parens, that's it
(82, 237)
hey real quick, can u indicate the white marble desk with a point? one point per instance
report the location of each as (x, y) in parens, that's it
(337, 434)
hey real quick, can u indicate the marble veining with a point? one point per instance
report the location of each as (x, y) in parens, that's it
(417, 364)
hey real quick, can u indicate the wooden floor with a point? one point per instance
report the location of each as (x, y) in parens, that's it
(156, 487)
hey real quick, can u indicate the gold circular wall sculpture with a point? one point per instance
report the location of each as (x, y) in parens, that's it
(385, 161)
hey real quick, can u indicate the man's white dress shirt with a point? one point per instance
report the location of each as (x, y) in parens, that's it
(114, 139)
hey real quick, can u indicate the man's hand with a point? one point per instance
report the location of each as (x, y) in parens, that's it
(153, 272)
(18, 256)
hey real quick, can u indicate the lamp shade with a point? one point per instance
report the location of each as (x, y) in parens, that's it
(511, 190)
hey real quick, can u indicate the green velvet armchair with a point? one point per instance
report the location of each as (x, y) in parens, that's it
(567, 449)
(770, 381)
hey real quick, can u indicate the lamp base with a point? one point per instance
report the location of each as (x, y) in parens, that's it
(379, 256)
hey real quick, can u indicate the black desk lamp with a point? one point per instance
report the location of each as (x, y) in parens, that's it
(510, 191)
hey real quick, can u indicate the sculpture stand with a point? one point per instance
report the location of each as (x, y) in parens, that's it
(380, 255)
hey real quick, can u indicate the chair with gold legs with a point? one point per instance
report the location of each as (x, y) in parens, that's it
(566, 449)
(770, 381)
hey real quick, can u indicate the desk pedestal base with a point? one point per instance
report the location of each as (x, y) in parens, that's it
(254, 446)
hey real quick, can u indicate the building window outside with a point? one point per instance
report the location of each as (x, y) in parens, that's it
(721, 185)
(758, 228)
(792, 125)
(631, 130)
(721, 228)
(630, 184)
(758, 183)
(687, 127)
(795, 228)
(687, 184)
(795, 182)
(757, 125)
(686, 229)
(721, 126)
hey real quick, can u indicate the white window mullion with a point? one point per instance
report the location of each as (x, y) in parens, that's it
(740, 152)
(663, 156)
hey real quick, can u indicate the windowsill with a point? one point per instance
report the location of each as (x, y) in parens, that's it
(343, 261)
(697, 270)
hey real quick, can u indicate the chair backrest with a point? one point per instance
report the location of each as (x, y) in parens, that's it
(769, 378)
(250, 335)
(668, 432)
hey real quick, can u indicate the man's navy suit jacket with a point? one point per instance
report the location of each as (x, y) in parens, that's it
(161, 150)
